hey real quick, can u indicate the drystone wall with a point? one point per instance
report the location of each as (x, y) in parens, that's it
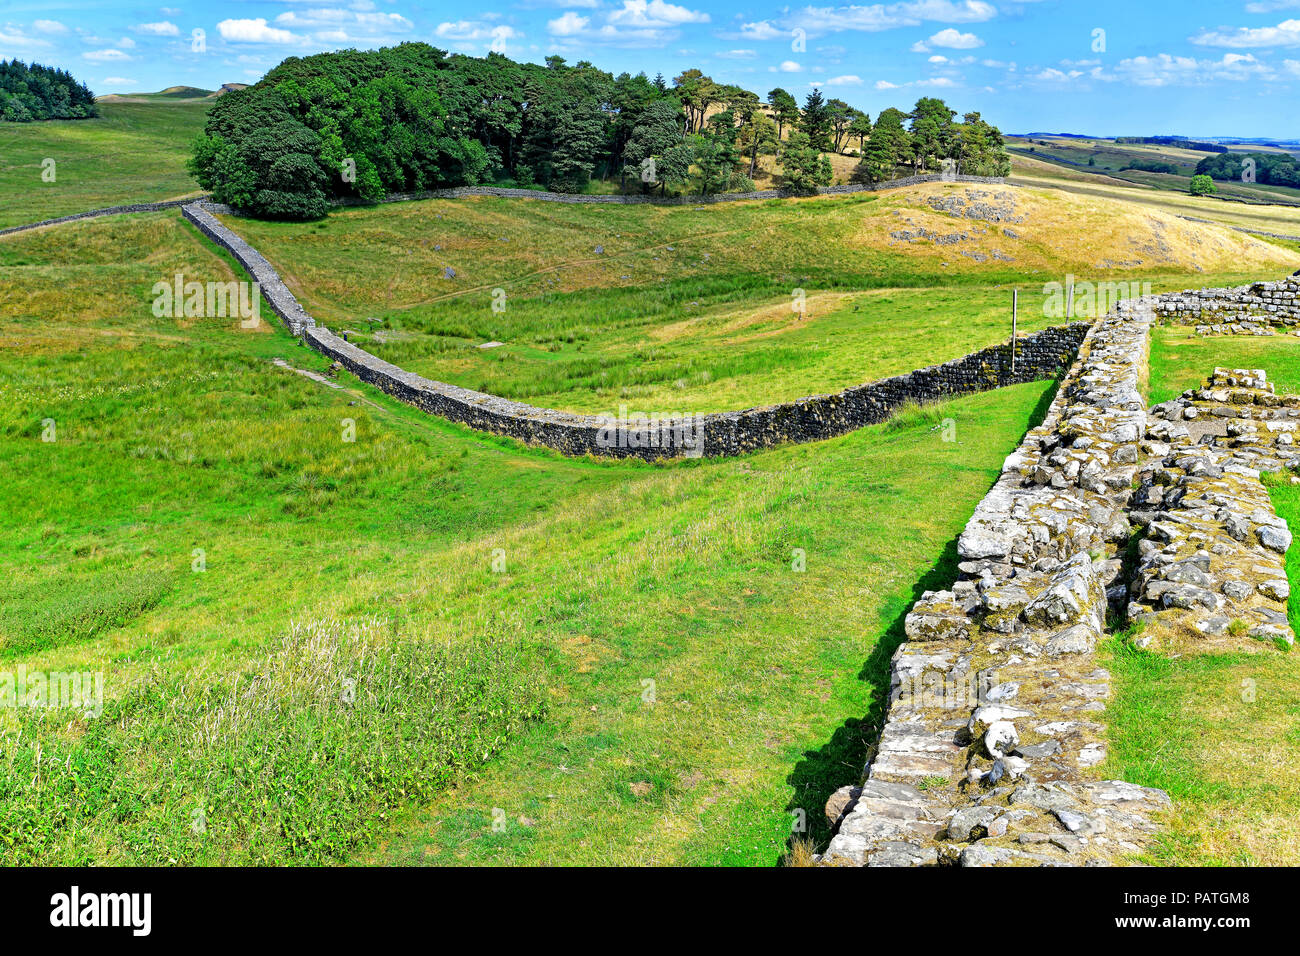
(994, 723)
(274, 291)
(1037, 356)
(93, 213)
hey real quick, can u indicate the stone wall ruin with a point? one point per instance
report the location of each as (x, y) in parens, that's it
(994, 723)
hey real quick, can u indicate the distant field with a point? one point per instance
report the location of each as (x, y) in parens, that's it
(690, 308)
(1112, 159)
(133, 152)
(1281, 220)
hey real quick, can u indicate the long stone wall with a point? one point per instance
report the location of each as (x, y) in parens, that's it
(1037, 356)
(283, 302)
(93, 213)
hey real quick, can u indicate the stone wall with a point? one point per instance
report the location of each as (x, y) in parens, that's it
(93, 213)
(1039, 355)
(274, 291)
(1212, 561)
(994, 719)
(1270, 304)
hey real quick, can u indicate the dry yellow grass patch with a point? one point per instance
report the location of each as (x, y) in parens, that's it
(1086, 233)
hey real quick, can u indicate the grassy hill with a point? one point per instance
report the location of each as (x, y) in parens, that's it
(180, 434)
(1122, 161)
(132, 152)
(567, 660)
(690, 308)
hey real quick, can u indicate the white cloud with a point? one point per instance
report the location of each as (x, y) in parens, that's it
(48, 26)
(13, 36)
(335, 25)
(737, 54)
(106, 56)
(567, 25)
(163, 28)
(880, 16)
(476, 30)
(762, 30)
(1167, 70)
(1272, 6)
(885, 85)
(1286, 33)
(253, 31)
(1161, 70)
(919, 47)
(1291, 66)
(849, 79)
(938, 59)
(119, 81)
(790, 66)
(955, 40)
(655, 13)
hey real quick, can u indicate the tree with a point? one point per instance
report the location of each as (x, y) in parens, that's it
(816, 123)
(36, 92)
(655, 135)
(932, 133)
(758, 137)
(861, 128)
(978, 148)
(697, 93)
(785, 109)
(888, 146)
(841, 117)
(1203, 185)
(803, 168)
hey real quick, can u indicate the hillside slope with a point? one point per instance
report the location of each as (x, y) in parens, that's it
(727, 306)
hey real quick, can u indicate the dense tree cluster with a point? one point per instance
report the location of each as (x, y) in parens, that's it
(1279, 169)
(35, 92)
(411, 117)
(928, 137)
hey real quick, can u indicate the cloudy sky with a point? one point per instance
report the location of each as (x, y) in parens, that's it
(1198, 67)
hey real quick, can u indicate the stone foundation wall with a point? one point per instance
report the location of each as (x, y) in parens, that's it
(1223, 311)
(994, 718)
(1039, 355)
(1212, 562)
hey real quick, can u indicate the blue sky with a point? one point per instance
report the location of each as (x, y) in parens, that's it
(1225, 68)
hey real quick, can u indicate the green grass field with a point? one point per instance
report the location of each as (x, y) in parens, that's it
(177, 435)
(130, 153)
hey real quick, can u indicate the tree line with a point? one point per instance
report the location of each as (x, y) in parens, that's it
(1278, 169)
(365, 123)
(34, 92)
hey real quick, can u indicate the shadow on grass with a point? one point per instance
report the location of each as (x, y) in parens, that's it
(840, 761)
